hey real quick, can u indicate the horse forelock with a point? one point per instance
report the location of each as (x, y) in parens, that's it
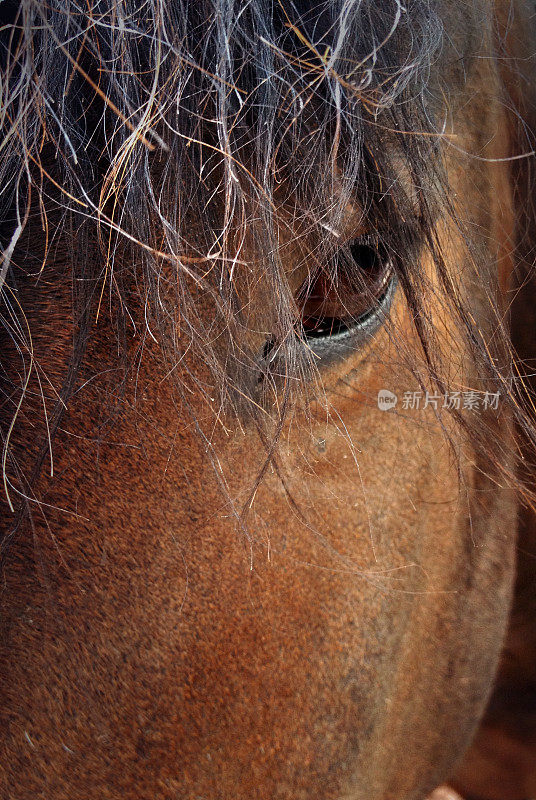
(184, 186)
(181, 139)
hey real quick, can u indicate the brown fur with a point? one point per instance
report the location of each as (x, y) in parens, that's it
(344, 645)
(501, 765)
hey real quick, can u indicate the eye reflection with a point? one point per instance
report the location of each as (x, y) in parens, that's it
(338, 301)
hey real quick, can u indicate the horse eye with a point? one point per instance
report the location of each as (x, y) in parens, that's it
(350, 297)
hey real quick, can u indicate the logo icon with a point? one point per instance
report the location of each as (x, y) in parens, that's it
(386, 400)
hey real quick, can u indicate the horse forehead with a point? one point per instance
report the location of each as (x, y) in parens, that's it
(467, 31)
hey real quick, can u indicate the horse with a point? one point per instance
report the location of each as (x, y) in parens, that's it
(267, 305)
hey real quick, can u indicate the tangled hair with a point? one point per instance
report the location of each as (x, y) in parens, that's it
(128, 120)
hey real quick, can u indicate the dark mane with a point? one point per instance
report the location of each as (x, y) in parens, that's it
(123, 123)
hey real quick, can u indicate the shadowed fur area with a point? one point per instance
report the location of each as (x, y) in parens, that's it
(226, 227)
